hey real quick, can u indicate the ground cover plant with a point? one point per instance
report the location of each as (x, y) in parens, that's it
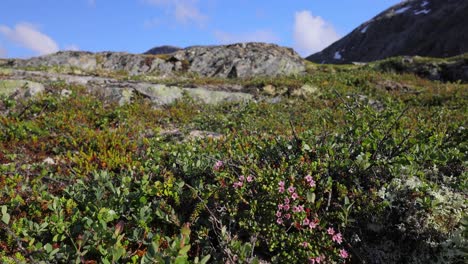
(371, 168)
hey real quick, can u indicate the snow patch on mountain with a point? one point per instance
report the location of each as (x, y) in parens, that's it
(364, 30)
(337, 56)
(402, 10)
(424, 11)
(425, 3)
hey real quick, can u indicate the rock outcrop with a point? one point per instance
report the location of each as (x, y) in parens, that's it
(230, 61)
(429, 28)
(447, 70)
(25, 84)
(242, 60)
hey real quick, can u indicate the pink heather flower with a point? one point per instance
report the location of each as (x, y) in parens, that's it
(343, 253)
(278, 214)
(281, 189)
(291, 189)
(319, 259)
(281, 184)
(238, 184)
(286, 200)
(242, 178)
(308, 178)
(294, 196)
(218, 165)
(287, 216)
(312, 260)
(279, 221)
(306, 221)
(331, 231)
(304, 244)
(312, 225)
(286, 207)
(337, 238)
(280, 206)
(250, 178)
(312, 183)
(298, 209)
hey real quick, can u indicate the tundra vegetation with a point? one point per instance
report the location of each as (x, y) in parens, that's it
(364, 166)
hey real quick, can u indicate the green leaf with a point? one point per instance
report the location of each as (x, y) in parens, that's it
(5, 215)
(311, 197)
(205, 259)
(181, 260)
(48, 247)
(183, 251)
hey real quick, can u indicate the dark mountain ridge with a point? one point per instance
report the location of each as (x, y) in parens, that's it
(430, 28)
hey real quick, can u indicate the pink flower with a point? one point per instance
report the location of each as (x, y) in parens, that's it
(319, 259)
(281, 189)
(287, 216)
(298, 209)
(279, 221)
(281, 184)
(218, 165)
(343, 253)
(250, 178)
(278, 214)
(291, 189)
(312, 225)
(306, 221)
(294, 196)
(238, 184)
(280, 206)
(312, 260)
(286, 207)
(331, 231)
(308, 178)
(304, 244)
(242, 178)
(337, 238)
(312, 183)
(286, 200)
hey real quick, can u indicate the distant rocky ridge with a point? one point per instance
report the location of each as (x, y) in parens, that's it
(429, 28)
(454, 69)
(230, 61)
(166, 49)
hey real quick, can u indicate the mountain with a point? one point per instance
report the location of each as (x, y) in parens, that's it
(166, 49)
(431, 28)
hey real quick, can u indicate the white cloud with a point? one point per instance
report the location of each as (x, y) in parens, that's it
(312, 33)
(254, 36)
(184, 11)
(28, 36)
(73, 47)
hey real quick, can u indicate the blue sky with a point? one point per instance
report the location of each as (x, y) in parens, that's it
(36, 27)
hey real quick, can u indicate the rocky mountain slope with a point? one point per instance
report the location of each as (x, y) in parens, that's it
(431, 28)
(231, 61)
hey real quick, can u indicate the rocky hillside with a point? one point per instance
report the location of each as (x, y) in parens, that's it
(231, 61)
(431, 28)
(104, 160)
